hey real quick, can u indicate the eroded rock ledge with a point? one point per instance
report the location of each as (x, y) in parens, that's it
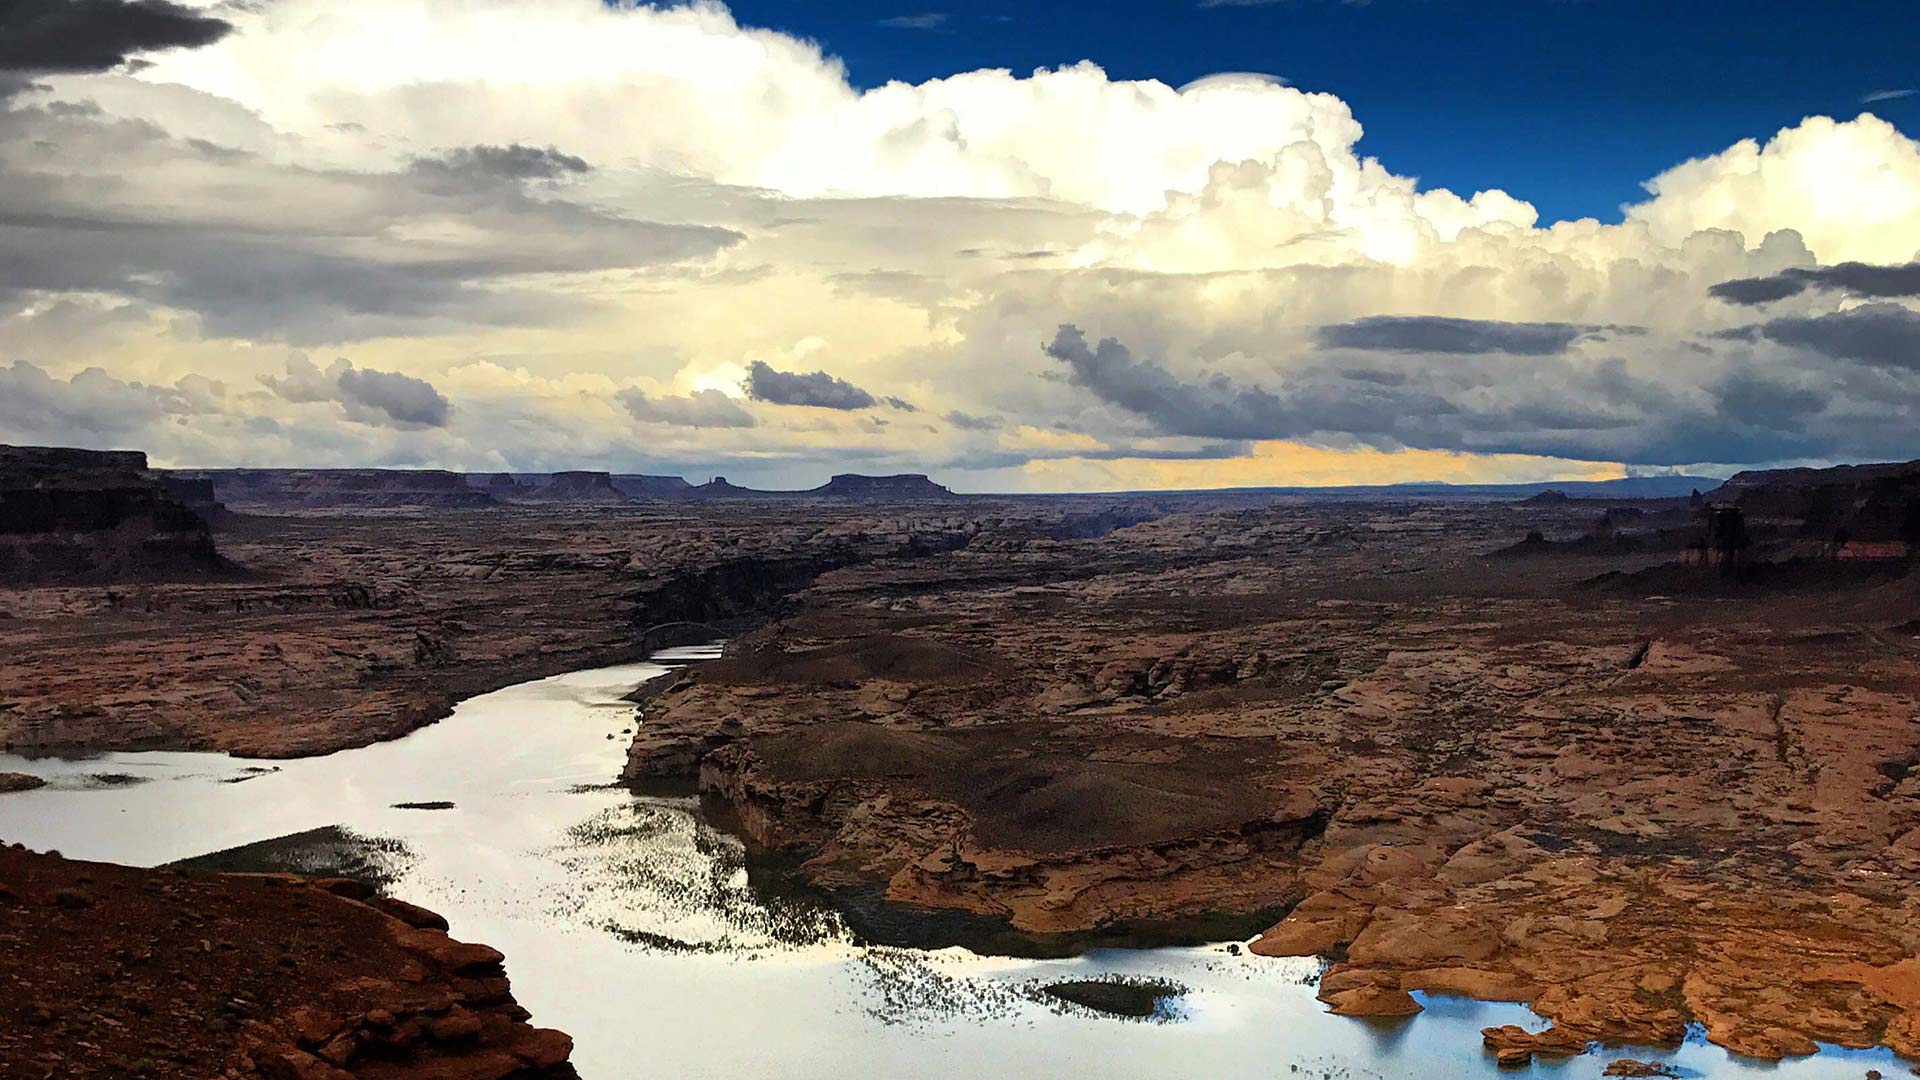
(1633, 812)
(114, 972)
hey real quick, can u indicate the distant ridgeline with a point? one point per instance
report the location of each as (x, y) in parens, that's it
(95, 516)
(267, 490)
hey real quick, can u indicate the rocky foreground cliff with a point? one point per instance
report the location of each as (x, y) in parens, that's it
(115, 973)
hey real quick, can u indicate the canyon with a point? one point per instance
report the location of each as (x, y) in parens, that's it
(1587, 754)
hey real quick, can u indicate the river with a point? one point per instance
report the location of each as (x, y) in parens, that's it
(629, 922)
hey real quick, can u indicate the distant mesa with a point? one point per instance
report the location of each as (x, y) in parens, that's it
(211, 491)
(316, 489)
(1550, 497)
(719, 488)
(638, 486)
(575, 486)
(905, 486)
(84, 516)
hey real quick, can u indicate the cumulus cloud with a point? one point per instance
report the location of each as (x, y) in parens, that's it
(365, 395)
(373, 397)
(1851, 189)
(1259, 277)
(95, 35)
(1852, 278)
(700, 409)
(817, 390)
(1435, 334)
(92, 404)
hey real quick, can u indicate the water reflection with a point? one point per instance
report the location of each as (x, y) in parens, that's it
(630, 922)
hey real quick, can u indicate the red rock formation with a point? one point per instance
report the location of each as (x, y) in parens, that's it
(111, 972)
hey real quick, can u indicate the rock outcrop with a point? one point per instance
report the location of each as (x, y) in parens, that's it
(113, 973)
(1850, 511)
(88, 516)
(1456, 776)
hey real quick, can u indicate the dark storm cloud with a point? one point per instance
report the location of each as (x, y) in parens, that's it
(95, 35)
(1436, 334)
(700, 409)
(1857, 279)
(899, 403)
(1550, 406)
(1883, 334)
(818, 390)
(1761, 401)
(1755, 291)
(1217, 408)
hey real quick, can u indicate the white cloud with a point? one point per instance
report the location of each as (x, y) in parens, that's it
(558, 250)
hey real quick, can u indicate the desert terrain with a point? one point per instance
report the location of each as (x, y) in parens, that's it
(1638, 763)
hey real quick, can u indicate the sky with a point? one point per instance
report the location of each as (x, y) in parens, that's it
(1035, 248)
(1569, 104)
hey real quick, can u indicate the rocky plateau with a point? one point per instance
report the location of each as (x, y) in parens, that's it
(1639, 763)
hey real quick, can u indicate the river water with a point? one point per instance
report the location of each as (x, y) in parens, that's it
(629, 923)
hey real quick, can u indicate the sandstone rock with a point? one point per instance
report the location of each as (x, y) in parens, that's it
(13, 781)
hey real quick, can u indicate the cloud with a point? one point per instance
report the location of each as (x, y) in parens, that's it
(1887, 95)
(366, 395)
(306, 254)
(1850, 189)
(95, 35)
(1882, 334)
(817, 390)
(1263, 282)
(1216, 408)
(932, 20)
(513, 163)
(1764, 402)
(700, 409)
(304, 382)
(1855, 279)
(92, 405)
(1433, 334)
(403, 400)
(970, 422)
